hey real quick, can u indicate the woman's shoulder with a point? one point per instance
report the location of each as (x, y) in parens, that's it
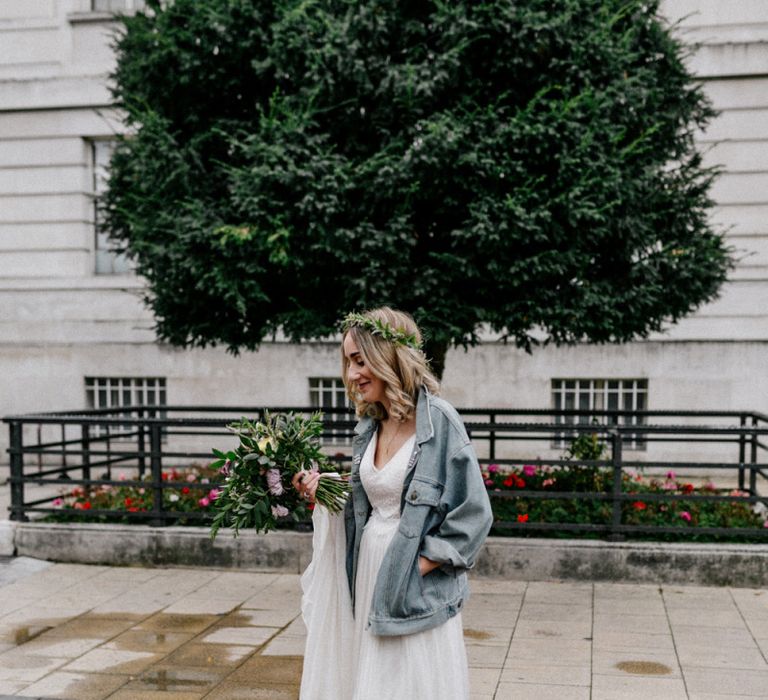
(443, 412)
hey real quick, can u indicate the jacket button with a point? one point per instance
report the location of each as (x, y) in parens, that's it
(414, 495)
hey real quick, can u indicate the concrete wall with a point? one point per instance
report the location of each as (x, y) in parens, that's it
(60, 322)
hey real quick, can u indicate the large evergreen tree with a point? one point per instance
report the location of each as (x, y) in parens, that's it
(525, 164)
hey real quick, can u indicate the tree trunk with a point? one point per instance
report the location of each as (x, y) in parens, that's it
(435, 352)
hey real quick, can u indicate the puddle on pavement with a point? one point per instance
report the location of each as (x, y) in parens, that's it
(95, 626)
(22, 635)
(174, 680)
(210, 655)
(270, 671)
(149, 640)
(172, 622)
(644, 668)
(476, 634)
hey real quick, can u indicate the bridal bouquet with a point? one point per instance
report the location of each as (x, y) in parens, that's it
(257, 490)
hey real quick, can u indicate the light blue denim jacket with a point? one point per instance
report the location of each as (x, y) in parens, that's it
(445, 516)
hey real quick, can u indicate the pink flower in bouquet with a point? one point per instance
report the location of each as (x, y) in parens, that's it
(213, 494)
(279, 511)
(493, 468)
(529, 469)
(57, 502)
(204, 501)
(685, 515)
(224, 471)
(274, 484)
(489, 482)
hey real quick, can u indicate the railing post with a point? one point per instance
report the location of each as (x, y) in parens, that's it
(156, 470)
(742, 450)
(616, 462)
(142, 444)
(492, 437)
(17, 471)
(85, 437)
(753, 461)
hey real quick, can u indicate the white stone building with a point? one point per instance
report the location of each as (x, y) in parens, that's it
(74, 333)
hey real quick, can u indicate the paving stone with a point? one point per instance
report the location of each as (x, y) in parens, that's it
(209, 655)
(82, 686)
(610, 687)
(745, 682)
(281, 670)
(546, 674)
(253, 636)
(535, 691)
(116, 661)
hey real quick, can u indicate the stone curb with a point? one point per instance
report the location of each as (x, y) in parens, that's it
(510, 558)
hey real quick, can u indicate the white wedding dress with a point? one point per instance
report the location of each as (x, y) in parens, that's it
(343, 660)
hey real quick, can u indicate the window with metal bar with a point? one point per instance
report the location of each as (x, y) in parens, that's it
(117, 5)
(108, 260)
(595, 396)
(328, 393)
(125, 392)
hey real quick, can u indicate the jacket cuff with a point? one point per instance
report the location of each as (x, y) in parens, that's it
(439, 550)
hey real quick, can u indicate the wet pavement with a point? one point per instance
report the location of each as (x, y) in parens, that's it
(93, 632)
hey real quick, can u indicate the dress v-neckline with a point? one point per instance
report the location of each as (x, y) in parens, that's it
(398, 451)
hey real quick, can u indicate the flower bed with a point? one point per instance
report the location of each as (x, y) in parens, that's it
(188, 490)
(193, 490)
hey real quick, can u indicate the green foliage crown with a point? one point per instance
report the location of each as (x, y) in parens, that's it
(375, 326)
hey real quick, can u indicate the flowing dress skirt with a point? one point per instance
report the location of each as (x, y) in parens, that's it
(343, 660)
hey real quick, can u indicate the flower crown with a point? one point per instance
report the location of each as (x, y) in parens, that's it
(377, 327)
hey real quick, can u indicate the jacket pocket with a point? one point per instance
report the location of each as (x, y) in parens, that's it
(420, 499)
(404, 591)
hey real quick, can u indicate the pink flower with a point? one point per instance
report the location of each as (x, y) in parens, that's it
(670, 475)
(489, 482)
(685, 515)
(121, 476)
(547, 482)
(274, 484)
(765, 524)
(57, 502)
(204, 501)
(191, 478)
(213, 494)
(224, 471)
(669, 485)
(279, 511)
(205, 481)
(529, 469)
(493, 468)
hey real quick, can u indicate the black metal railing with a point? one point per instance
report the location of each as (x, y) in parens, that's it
(83, 449)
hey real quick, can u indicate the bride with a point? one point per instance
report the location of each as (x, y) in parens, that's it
(384, 591)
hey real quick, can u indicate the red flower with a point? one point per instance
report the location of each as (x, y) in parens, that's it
(87, 505)
(687, 488)
(509, 482)
(185, 489)
(311, 506)
(522, 518)
(520, 483)
(133, 510)
(128, 501)
(639, 505)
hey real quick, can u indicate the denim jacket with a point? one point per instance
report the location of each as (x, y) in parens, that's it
(445, 516)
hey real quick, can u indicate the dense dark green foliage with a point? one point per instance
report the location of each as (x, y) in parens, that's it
(525, 164)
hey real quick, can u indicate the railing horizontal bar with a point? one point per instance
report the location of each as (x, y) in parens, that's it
(624, 496)
(638, 529)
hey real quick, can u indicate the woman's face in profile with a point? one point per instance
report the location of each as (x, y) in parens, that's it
(370, 387)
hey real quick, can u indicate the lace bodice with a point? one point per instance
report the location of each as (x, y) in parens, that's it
(384, 486)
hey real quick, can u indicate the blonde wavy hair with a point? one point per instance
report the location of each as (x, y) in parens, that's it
(403, 369)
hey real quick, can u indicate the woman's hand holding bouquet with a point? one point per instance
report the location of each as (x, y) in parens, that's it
(272, 453)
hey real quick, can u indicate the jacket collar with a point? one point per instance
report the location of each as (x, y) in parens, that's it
(424, 428)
